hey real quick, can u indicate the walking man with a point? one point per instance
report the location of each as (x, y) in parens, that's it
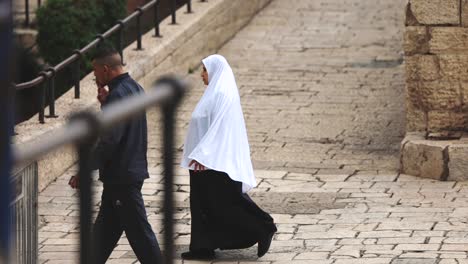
(121, 158)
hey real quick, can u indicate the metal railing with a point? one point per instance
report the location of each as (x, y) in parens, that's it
(46, 78)
(85, 127)
(24, 214)
(27, 11)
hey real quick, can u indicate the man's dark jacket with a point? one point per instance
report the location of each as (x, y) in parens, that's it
(120, 154)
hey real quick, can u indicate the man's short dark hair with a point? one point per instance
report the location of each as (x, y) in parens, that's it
(107, 55)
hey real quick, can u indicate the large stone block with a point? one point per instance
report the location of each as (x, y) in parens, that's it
(422, 68)
(458, 162)
(448, 40)
(454, 66)
(436, 95)
(435, 159)
(445, 120)
(424, 158)
(436, 12)
(416, 40)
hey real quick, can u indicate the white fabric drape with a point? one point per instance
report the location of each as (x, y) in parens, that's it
(217, 137)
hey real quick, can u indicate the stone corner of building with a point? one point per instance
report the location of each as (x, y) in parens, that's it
(445, 160)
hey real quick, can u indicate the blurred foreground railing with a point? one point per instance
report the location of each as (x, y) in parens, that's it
(6, 128)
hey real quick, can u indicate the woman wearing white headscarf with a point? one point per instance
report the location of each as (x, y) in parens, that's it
(217, 153)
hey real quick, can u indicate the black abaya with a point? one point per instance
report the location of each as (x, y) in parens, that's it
(222, 216)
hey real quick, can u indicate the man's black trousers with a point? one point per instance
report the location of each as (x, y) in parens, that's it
(122, 209)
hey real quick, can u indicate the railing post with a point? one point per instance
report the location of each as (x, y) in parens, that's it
(120, 40)
(140, 12)
(189, 6)
(34, 194)
(42, 98)
(77, 73)
(168, 141)
(85, 147)
(39, 3)
(86, 256)
(156, 20)
(52, 93)
(174, 9)
(168, 112)
(26, 13)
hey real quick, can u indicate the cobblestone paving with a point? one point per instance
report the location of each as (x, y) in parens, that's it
(322, 89)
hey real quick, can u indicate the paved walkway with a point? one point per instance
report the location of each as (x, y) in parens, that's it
(322, 90)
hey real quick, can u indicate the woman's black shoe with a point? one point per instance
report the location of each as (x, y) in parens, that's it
(264, 244)
(198, 255)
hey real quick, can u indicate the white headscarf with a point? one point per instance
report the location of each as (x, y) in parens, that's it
(217, 137)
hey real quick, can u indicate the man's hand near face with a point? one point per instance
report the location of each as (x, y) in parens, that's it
(102, 92)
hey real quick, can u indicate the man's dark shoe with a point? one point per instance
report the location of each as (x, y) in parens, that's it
(199, 255)
(264, 244)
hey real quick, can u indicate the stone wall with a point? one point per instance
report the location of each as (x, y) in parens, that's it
(182, 48)
(436, 45)
(436, 55)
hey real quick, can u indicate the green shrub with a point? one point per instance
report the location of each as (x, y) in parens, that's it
(109, 12)
(66, 25)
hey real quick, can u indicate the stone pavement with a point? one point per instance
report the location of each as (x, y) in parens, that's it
(322, 86)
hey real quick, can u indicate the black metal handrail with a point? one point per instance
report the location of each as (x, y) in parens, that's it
(47, 77)
(83, 128)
